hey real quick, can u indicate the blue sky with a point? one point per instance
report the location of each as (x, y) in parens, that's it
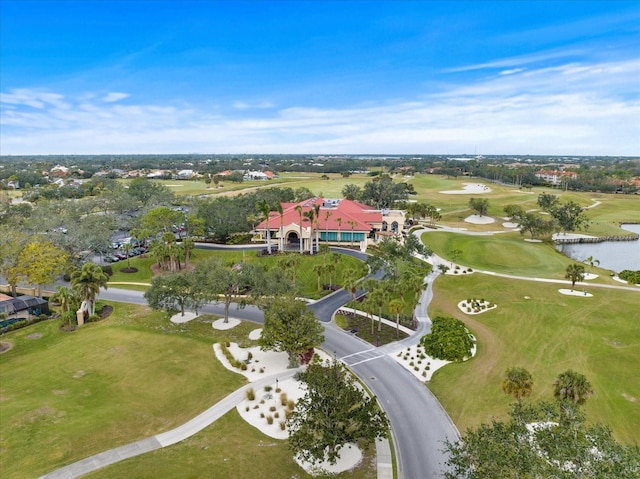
(402, 77)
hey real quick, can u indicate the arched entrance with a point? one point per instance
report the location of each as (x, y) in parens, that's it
(293, 238)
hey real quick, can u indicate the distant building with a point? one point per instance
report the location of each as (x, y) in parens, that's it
(556, 177)
(185, 174)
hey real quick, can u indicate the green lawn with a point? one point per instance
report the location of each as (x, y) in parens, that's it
(228, 448)
(547, 334)
(66, 396)
(505, 253)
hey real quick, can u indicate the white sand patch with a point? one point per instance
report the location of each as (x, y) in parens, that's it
(509, 224)
(597, 203)
(173, 186)
(620, 280)
(261, 364)
(479, 220)
(476, 306)
(532, 240)
(418, 363)
(222, 326)
(575, 292)
(255, 334)
(350, 457)
(469, 188)
(269, 404)
(179, 318)
(589, 276)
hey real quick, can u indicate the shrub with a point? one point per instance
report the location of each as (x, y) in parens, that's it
(283, 399)
(448, 340)
(272, 408)
(261, 414)
(108, 270)
(291, 404)
(269, 419)
(276, 415)
(251, 394)
(282, 424)
(268, 388)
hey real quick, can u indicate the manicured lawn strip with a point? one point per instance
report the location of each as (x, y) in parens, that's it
(306, 278)
(362, 325)
(141, 375)
(228, 448)
(507, 253)
(547, 335)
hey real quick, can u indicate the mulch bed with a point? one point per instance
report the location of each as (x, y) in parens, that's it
(129, 270)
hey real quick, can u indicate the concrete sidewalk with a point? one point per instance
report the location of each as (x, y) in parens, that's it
(188, 429)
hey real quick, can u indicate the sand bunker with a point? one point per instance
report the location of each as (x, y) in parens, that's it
(469, 188)
(479, 220)
(575, 292)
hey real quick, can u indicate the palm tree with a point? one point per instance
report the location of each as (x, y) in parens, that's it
(87, 282)
(316, 210)
(339, 221)
(350, 280)
(126, 249)
(298, 208)
(572, 386)
(265, 209)
(591, 261)
(517, 382)
(353, 225)
(278, 208)
(310, 215)
(319, 270)
(575, 273)
(327, 214)
(397, 306)
(66, 297)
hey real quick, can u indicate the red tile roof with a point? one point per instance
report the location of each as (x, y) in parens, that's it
(362, 215)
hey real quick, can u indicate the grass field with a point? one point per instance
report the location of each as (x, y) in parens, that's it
(229, 448)
(546, 334)
(66, 396)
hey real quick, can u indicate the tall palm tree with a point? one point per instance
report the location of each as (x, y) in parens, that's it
(517, 382)
(327, 215)
(397, 306)
(298, 208)
(309, 215)
(339, 221)
(316, 210)
(278, 208)
(265, 209)
(87, 282)
(572, 386)
(353, 225)
(591, 261)
(350, 280)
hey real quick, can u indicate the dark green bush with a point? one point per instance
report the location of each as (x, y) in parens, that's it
(449, 340)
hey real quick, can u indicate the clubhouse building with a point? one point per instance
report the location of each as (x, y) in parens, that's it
(331, 221)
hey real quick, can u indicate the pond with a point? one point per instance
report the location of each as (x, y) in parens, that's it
(613, 255)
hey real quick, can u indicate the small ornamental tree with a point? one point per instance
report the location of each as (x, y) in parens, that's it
(291, 327)
(335, 411)
(449, 340)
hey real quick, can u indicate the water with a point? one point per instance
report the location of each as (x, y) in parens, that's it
(613, 255)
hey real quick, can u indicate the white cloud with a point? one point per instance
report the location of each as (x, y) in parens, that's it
(241, 105)
(572, 109)
(114, 96)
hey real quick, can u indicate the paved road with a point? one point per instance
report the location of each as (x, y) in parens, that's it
(419, 424)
